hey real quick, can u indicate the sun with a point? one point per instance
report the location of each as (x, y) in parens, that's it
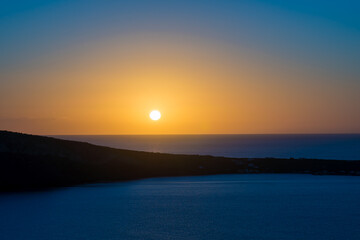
(155, 115)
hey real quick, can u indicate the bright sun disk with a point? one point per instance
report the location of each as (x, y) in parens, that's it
(155, 115)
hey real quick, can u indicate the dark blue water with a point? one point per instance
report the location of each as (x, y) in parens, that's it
(247, 207)
(325, 146)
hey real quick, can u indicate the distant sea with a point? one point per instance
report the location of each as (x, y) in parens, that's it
(320, 146)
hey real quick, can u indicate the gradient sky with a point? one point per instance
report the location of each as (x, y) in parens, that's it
(100, 67)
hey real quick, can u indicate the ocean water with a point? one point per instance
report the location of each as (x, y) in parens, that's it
(242, 206)
(321, 146)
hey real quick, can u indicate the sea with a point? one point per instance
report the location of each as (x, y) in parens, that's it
(218, 207)
(319, 146)
(215, 207)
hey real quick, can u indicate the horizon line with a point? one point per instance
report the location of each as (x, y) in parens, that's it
(189, 134)
(172, 134)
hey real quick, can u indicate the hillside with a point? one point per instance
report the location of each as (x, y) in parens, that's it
(29, 162)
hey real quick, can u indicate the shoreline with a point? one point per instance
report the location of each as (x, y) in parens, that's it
(30, 162)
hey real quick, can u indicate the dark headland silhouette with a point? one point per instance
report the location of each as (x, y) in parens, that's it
(29, 162)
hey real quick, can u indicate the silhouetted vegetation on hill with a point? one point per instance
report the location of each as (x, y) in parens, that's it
(33, 162)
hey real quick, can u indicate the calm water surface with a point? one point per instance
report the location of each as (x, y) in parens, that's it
(263, 206)
(322, 146)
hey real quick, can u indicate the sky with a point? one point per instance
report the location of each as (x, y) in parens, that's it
(209, 66)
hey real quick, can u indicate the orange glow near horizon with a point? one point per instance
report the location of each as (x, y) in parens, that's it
(107, 87)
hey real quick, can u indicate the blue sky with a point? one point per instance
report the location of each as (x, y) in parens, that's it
(315, 31)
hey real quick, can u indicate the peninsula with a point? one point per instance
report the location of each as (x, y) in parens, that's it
(29, 162)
